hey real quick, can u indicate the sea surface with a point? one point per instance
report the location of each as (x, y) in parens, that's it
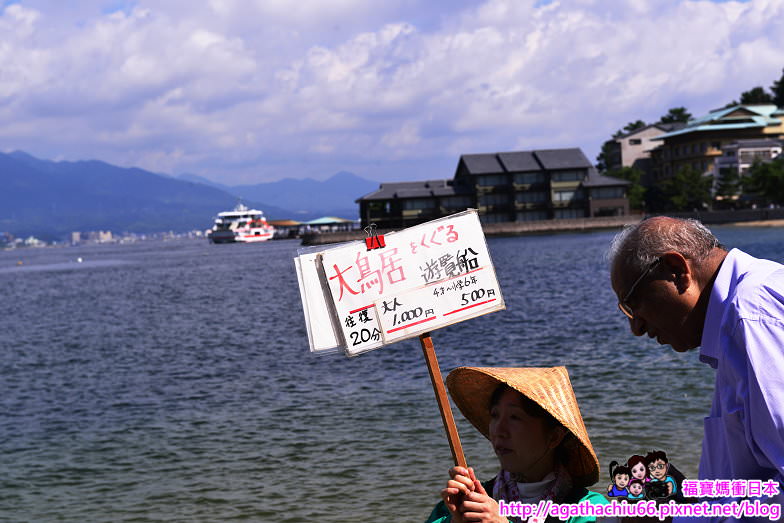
(172, 381)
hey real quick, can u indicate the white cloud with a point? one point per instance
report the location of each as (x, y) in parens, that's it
(240, 90)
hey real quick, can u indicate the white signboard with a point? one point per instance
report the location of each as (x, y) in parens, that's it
(426, 277)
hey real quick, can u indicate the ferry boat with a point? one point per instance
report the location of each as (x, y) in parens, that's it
(240, 225)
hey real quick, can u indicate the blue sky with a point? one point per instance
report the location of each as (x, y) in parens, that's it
(246, 91)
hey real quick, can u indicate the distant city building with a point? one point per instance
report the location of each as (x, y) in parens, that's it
(740, 156)
(32, 241)
(633, 149)
(700, 143)
(330, 224)
(504, 187)
(76, 238)
(285, 228)
(99, 236)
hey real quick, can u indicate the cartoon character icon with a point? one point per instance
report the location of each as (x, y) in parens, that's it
(635, 489)
(638, 468)
(658, 466)
(619, 474)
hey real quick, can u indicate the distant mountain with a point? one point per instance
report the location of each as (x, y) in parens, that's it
(195, 178)
(50, 199)
(332, 197)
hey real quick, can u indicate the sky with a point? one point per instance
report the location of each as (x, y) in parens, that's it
(251, 91)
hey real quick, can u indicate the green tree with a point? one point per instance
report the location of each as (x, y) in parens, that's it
(605, 156)
(728, 186)
(675, 115)
(778, 90)
(656, 200)
(766, 179)
(636, 191)
(632, 126)
(757, 95)
(609, 154)
(688, 190)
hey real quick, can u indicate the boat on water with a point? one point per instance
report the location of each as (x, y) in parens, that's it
(241, 225)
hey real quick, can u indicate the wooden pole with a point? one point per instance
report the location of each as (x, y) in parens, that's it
(443, 401)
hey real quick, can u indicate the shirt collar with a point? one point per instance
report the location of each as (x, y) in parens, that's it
(723, 288)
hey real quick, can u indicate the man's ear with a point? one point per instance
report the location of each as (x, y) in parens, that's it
(680, 269)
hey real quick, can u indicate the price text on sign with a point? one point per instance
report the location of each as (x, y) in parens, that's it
(426, 277)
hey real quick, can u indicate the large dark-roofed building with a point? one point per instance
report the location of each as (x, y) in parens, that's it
(505, 187)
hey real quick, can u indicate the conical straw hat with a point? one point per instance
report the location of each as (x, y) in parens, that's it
(472, 387)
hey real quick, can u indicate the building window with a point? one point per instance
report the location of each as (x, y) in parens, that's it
(456, 202)
(530, 216)
(491, 180)
(531, 197)
(609, 211)
(635, 141)
(378, 208)
(420, 203)
(716, 145)
(607, 193)
(493, 199)
(527, 178)
(493, 218)
(568, 176)
(569, 213)
(566, 196)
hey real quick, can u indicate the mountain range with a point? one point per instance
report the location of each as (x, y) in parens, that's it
(302, 198)
(49, 199)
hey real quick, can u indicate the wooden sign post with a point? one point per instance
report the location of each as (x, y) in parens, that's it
(361, 296)
(443, 401)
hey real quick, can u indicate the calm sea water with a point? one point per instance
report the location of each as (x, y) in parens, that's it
(172, 382)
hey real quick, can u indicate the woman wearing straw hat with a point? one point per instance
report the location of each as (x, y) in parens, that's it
(531, 417)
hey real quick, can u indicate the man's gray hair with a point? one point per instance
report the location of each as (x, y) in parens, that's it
(638, 245)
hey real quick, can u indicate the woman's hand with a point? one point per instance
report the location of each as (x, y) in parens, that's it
(457, 488)
(466, 499)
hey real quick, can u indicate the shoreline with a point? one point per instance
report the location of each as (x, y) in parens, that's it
(554, 227)
(759, 223)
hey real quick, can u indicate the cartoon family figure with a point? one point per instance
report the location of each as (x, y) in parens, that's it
(646, 477)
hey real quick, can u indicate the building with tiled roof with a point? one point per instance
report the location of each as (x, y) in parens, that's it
(700, 142)
(504, 187)
(633, 149)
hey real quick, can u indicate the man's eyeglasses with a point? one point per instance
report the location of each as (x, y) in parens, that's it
(658, 466)
(624, 303)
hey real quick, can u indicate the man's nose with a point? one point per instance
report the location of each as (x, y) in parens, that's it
(637, 326)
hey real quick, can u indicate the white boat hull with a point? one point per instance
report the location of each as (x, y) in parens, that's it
(242, 225)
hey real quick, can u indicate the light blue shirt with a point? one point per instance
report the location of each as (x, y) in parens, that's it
(743, 339)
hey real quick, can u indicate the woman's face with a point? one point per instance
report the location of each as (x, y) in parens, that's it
(638, 471)
(520, 441)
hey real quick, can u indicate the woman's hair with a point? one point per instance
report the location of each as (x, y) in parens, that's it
(619, 469)
(535, 410)
(636, 460)
(529, 406)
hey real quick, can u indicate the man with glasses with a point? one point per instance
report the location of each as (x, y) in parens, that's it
(678, 284)
(658, 469)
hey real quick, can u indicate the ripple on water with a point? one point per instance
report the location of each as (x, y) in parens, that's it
(176, 385)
